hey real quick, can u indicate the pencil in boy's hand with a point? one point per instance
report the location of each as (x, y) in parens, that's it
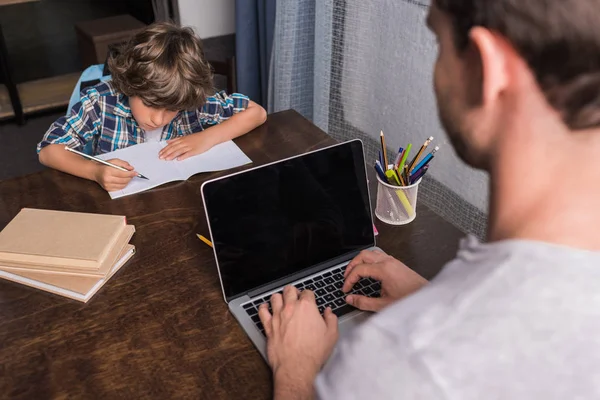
(101, 161)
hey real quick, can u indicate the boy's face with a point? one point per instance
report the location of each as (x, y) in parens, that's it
(149, 118)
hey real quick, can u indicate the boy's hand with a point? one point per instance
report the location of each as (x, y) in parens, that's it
(112, 179)
(187, 146)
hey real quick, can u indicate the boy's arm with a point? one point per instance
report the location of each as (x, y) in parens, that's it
(75, 131)
(232, 120)
(111, 179)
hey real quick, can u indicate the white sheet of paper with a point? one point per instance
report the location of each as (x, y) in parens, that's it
(144, 157)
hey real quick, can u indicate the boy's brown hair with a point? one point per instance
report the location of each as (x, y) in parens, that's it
(559, 39)
(164, 66)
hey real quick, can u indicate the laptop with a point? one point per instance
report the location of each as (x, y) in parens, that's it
(296, 221)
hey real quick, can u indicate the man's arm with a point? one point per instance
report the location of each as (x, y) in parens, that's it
(297, 345)
(299, 341)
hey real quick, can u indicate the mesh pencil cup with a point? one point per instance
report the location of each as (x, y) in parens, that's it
(396, 205)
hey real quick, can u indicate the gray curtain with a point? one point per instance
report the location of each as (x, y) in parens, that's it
(355, 68)
(166, 10)
(254, 26)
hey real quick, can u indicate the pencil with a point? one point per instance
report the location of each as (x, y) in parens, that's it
(421, 150)
(426, 159)
(401, 178)
(398, 157)
(414, 178)
(205, 240)
(101, 161)
(404, 157)
(383, 150)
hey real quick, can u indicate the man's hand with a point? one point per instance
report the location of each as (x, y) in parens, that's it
(397, 280)
(112, 179)
(187, 146)
(299, 341)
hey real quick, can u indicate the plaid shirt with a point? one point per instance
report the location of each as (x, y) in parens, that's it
(102, 121)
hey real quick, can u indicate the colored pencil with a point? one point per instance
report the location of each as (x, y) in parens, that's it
(404, 157)
(421, 150)
(398, 158)
(205, 240)
(426, 159)
(383, 150)
(415, 178)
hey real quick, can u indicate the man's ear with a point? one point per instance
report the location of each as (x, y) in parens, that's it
(491, 50)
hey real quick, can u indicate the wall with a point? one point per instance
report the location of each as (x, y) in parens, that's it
(40, 36)
(389, 86)
(209, 18)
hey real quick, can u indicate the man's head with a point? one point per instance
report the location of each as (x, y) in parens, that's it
(501, 58)
(162, 70)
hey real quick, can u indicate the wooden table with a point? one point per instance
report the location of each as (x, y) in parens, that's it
(160, 327)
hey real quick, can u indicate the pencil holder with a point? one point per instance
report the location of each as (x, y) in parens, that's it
(396, 205)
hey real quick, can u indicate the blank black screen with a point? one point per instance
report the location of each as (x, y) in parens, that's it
(277, 220)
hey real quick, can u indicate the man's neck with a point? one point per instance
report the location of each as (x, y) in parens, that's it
(545, 184)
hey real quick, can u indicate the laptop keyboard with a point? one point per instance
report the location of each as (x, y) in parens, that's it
(328, 293)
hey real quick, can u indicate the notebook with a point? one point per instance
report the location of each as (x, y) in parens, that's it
(76, 288)
(60, 238)
(101, 272)
(144, 157)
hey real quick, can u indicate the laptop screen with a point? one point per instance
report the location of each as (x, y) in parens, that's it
(273, 221)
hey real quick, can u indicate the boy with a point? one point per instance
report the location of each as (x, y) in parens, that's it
(161, 89)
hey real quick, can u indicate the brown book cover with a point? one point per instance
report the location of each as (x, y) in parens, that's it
(105, 267)
(74, 287)
(60, 238)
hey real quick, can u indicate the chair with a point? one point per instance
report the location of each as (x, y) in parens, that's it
(227, 69)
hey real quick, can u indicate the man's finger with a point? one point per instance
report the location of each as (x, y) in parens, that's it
(290, 294)
(360, 271)
(276, 303)
(365, 257)
(265, 317)
(331, 321)
(308, 295)
(366, 303)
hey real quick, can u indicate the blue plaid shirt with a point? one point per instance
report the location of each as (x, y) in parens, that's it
(102, 121)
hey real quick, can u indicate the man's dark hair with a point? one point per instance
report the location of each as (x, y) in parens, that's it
(559, 40)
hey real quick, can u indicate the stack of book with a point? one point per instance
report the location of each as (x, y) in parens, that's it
(65, 253)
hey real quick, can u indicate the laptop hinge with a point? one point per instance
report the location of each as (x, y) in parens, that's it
(299, 275)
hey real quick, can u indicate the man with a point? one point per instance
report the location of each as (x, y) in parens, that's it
(518, 88)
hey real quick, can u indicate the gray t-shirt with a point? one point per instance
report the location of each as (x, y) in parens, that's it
(507, 320)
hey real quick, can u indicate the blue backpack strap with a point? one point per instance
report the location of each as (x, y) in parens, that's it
(90, 77)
